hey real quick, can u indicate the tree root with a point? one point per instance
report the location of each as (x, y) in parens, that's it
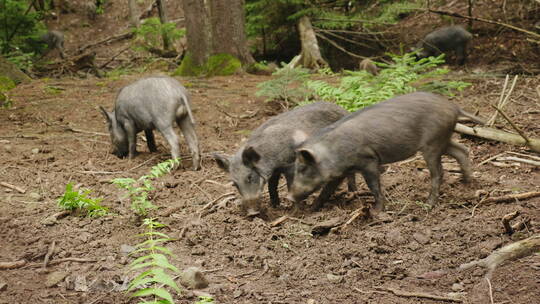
(509, 252)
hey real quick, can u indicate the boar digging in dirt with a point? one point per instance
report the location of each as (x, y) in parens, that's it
(269, 152)
(148, 104)
(384, 133)
(445, 39)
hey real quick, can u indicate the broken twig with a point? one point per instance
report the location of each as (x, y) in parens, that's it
(49, 253)
(506, 222)
(10, 186)
(397, 292)
(512, 197)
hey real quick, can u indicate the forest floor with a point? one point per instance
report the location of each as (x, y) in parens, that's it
(54, 134)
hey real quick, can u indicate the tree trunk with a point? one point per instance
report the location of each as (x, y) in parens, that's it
(163, 18)
(311, 54)
(133, 13)
(216, 27)
(9, 70)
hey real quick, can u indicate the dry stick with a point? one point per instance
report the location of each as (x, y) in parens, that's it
(484, 20)
(421, 295)
(214, 201)
(49, 253)
(506, 221)
(527, 140)
(491, 158)
(279, 221)
(512, 197)
(513, 251)
(10, 186)
(108, 39)
(113, 57)
(356, 213)
(491, 121)
(490, 290)
(339, 47)
(58, 261)
(68, 128)
(519, 160)
(317, 30)
(12, 265)
(526, 155)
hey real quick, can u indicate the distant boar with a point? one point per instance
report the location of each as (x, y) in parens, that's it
(148, 104)
(369, 66)
(269, 152)
(445, 39)
(54, 40)
(384, 133)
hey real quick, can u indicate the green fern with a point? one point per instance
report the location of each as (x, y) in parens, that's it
(79, 200)
(138, 190)
(153, 280)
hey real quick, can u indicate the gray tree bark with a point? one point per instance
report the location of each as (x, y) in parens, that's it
(133, 13)
(215, 27)
(310, 55)
(163, 18)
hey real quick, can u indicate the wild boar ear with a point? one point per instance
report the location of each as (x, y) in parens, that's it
(222, 161)
(107, 115)
(306, 157)
(250, 157)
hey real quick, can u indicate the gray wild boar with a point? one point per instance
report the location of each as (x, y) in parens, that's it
(148, 104)
(54, 40)
(269, 152)
(384, 133)
(445, 39)
(368, 65)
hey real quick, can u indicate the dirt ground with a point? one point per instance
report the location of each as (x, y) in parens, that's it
(54, 134)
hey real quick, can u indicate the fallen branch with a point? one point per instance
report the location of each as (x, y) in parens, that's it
(503, 100)
(119, 37)
(520, 132)
(519, 160)
(114, 56)
(506, 222)
(483, 20)
(337, 46)
(54, 262)
(362, 211)
(448, 298)
(68, 128)
(514, 251)
(10, 186)
(512, 197)
(499, 135)
(12, 265)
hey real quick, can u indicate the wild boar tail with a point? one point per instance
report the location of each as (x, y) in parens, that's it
(186, 109)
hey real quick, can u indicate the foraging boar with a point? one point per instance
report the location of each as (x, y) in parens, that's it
(445, 39)
(54, 40)
(148, 104)
(269, 152)
(369, 66)
(384, 133)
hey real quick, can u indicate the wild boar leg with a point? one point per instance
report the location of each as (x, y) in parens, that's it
(132, 138)
(172, 139)
(326, 192)
(187, 128)
(372, 176)
(460, 153)
(433, 161)
(150, 141)
(272, 189)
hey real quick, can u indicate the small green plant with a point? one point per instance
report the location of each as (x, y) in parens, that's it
(138, 189)
(404, 75)
(153, 279)
(205, 300)
(288, 86)
(149, 36)
(79, 200)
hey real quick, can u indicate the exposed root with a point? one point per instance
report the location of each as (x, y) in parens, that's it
(449, 297)
(512, 197)
(12, 265)
(509, 252)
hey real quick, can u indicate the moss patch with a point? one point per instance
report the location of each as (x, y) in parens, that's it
(6, 84)
(217, 65)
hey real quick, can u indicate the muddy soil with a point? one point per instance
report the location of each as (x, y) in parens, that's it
(54, 135)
